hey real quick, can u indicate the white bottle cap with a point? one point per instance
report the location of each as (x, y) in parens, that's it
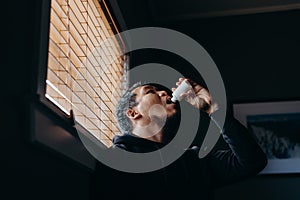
(174, 99)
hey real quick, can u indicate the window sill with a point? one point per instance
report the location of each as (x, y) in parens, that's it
(49, 131)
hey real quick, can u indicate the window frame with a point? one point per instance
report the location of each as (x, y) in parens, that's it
(50, 127)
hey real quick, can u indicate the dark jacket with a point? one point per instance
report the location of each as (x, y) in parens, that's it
(188, 176)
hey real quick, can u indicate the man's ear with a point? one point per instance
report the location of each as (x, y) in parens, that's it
(132, 114)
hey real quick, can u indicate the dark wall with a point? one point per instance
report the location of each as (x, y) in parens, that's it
(258, 57)
(28, 171)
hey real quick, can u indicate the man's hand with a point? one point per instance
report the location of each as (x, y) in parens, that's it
(200, 98)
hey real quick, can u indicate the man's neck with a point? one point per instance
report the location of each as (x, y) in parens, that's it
(157, 137)
(149, 133)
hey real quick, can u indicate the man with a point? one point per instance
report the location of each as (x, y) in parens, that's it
(149, 120)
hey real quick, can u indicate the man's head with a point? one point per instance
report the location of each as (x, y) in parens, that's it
(146, 104)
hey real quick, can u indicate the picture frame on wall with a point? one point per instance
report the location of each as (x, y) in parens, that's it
(276, 128)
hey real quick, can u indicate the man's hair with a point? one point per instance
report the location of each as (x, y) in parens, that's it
(126, 102)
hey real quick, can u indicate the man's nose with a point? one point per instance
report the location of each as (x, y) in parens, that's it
(162, 93)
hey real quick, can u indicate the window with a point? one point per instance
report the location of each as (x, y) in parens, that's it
(76, 72)
(82, 75)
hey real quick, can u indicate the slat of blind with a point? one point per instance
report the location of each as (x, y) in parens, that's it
(103, 136)
(79, 50)
(58, 16)
(80, 38)
(62, 2)
(80, 26)
(57, 36)
(81, 16)
(75, 59)
(81, 5)
(102, 23)
(53, 63)
(93, 22)
(62, 92)
(94, 8)
(59, 53)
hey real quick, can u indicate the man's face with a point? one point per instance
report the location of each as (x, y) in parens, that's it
(148, 96)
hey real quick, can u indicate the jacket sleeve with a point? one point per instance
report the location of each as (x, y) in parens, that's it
(243, 159)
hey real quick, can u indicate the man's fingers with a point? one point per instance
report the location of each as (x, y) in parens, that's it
(184, 94)
(180, 80)
(204, 97)
(189, 93)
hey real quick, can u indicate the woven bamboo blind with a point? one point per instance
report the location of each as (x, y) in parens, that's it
(82, 74)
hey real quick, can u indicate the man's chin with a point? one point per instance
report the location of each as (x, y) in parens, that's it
(172, 109)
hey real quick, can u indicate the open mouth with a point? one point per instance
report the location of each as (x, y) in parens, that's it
(168, 101)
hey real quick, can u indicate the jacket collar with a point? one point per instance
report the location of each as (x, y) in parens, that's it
(136, 144)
